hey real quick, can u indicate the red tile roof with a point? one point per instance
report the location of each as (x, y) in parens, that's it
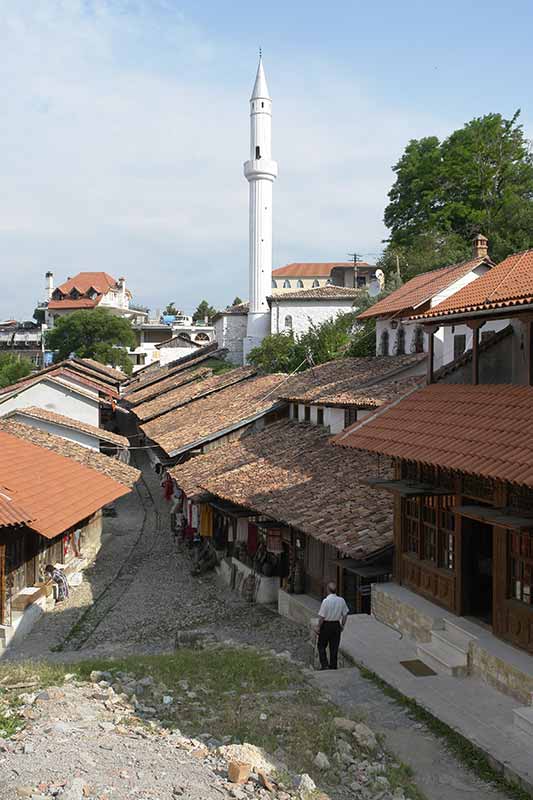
(63, 374)
(81, 302)
(83, 281)
(330, 292)
(67, 422)
(507, 285)
(57, 492)
(484, 430)
(114, 373)
(421, 289)
(291, 473)
(217, 414)
(10, 513)
(312, 270)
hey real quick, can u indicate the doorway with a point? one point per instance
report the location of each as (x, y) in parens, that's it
(477, 570)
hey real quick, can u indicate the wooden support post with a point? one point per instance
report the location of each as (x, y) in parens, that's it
(430, 330)
(475, 325)
(528, 350)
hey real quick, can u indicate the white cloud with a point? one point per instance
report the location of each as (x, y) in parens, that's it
(123, 137)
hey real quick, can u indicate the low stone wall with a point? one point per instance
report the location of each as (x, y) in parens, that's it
(266, 590)
(299, 607)
(403, 616)
(502, 675)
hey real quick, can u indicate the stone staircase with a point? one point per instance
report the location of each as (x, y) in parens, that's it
(447, 652)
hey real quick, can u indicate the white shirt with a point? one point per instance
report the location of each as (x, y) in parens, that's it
(333, 608)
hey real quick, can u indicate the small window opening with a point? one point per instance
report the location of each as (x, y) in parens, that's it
(320, 416)
(262, 105)
(307, 414)
(316, 283)
(258, 152)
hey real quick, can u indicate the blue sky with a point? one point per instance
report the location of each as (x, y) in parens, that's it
(125, 125)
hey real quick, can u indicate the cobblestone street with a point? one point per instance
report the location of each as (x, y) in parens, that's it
(139, 593)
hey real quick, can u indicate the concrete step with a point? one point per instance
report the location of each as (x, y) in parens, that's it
(442, 658)
(523, 719)
(457, 635)
(441, 638)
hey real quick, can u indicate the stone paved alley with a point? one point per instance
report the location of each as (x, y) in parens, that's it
(139, 594)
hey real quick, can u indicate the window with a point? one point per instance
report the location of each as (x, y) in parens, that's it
(384, 350)
(294, 410)
(257, 151)
(288, 322)
(320, 416)
(299, 284)
(350, 416)
(274, 284)
(459, 345)
(521, 567)
(419, 339)
(316, 283)
(286, 284)
(400, 341)
(361, 281)
(429, 530)
(307, 414)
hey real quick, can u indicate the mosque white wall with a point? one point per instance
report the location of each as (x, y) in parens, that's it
(287, 315)
(230, 330)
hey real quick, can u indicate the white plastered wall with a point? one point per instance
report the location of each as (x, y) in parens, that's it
(55, 398)
(80, 437)
(303, 313)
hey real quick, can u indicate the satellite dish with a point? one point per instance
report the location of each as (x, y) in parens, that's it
(374, 288)
(379, 275)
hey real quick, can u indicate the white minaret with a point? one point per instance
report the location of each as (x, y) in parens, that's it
(260, 171)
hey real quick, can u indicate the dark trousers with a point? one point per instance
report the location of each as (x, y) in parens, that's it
(329, 636)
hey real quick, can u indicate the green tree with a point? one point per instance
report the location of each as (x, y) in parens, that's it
(171, 310)
(12, 368)
(479, 179)
(94, 334)
(278, 352)
(204, 310)
(237, 301)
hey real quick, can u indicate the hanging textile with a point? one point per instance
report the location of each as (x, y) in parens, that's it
(168, 487)
(231, 530)
(274, 544)
(252, 539)
(242, 531)
(194, 516)
(206, 520)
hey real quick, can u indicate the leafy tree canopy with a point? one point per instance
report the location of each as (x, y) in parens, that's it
(478, 180)
(204, 310)
(171, 310)
(237, 301)
(12, 368)
(94, 334)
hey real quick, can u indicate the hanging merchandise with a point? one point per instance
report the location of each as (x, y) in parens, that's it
(242, 531)
(252, 539)
(168, 487)
(274, 544)
(194, 516)
(206, 520)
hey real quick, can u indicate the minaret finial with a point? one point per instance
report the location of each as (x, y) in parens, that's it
(260, 53)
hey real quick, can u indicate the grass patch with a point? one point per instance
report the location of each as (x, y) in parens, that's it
(462, 749)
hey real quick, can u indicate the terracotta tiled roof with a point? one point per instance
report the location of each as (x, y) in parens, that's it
(83, 281)
(111, 372)
(10, 513)
(80, 302)
(508, 284)
(153, 374)
(210, 417)
(421, 289)
(159, 389)
(240, 308)
(165, 407)
(483, 430)
(363, 382)
(312, 270)
(56, 491)
(291, 473)
(63, 374)
(67, 422)
(111, 467)
(329, 292)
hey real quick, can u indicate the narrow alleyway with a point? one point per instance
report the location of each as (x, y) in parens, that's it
(139, 593)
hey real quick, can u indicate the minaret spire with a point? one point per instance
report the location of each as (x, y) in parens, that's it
(260, 172)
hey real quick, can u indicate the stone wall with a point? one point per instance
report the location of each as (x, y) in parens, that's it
(500, 674)
(404, 617)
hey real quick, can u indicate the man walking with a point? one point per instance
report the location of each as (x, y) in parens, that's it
(331, 621)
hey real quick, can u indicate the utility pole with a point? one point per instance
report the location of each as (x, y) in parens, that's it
(355, 259)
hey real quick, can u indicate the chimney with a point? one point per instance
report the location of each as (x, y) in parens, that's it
(480, 246)
(49, 285)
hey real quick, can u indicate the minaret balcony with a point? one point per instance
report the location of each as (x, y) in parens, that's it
(261, 168)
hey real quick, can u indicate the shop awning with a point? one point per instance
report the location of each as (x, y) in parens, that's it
(406, 488)
(495, 516)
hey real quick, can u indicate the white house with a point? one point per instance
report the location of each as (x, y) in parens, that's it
(295, 311)
(88, 290)
(166, 339)
(397, 333)
(230, 331)
(55, 394)
(313, 275)
(90, 436)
